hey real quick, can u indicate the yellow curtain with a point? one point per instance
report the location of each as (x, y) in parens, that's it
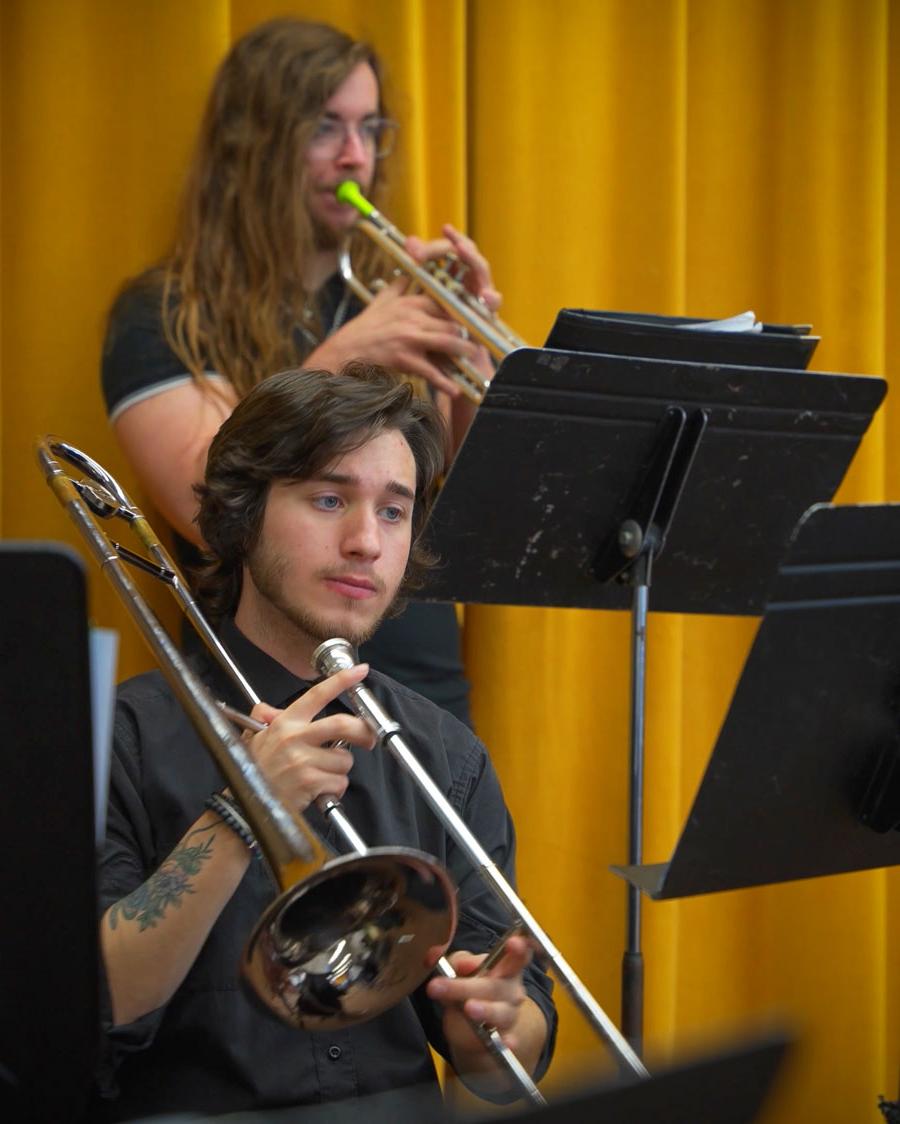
(701, 156)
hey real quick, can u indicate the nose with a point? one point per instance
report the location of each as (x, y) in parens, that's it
(362, 535)
(353, 152)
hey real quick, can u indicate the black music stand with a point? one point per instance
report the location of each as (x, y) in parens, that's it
(680, 337)
(806, 781)
(552, 463)
(566, 489)
(49, 1015)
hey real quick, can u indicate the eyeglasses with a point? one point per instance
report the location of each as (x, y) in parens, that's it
(375, 133)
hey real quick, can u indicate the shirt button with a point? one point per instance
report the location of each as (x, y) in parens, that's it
(334, 1052)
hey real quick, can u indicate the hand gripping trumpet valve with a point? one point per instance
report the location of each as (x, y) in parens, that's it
(438, 280)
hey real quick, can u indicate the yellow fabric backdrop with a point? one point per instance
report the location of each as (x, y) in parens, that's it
(700, 156)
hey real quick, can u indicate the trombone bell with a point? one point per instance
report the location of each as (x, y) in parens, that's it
(351, 940)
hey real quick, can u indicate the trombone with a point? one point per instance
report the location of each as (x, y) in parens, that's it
(390, 907)
(379, 912)
(437, 279)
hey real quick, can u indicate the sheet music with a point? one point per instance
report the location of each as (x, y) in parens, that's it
(743, 322)
(103, 644)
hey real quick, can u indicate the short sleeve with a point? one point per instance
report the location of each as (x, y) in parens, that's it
(137, 361)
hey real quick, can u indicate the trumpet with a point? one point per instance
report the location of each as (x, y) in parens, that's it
(438, 280)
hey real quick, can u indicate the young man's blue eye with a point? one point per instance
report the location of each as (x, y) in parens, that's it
(327, 503)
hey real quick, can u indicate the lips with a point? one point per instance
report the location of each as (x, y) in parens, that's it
(349, 585)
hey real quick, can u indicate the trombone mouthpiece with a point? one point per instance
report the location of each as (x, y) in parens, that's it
(348, 192)
(334, 655)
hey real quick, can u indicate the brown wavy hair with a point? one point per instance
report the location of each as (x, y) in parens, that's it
(233, 286)
(290, 427)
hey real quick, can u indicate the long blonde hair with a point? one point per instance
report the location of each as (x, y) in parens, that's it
(233, 287)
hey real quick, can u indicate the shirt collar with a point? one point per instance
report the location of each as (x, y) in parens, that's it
(270, 679)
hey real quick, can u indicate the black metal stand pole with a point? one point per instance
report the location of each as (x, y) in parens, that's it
(633, 958)
(629, 558)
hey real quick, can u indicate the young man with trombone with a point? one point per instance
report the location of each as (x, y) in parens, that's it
(252, 287)
(314, 499)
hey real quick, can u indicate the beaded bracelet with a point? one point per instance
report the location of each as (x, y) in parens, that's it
(233, 817)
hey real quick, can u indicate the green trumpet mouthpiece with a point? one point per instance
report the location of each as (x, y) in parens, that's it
(348, 192)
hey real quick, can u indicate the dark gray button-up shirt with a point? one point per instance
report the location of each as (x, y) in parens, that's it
(210, 1048)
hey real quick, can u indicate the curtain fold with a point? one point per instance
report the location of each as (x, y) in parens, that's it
(695, 156)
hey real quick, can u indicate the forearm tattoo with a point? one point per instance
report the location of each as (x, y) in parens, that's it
(166, 887)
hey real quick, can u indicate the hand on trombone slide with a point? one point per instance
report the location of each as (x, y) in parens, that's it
(494, 998)
(296, 751)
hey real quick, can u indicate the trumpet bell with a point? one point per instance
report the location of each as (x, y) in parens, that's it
(352, 940)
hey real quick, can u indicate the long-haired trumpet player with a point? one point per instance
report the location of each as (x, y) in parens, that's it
(251, 287)
(315, 495)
